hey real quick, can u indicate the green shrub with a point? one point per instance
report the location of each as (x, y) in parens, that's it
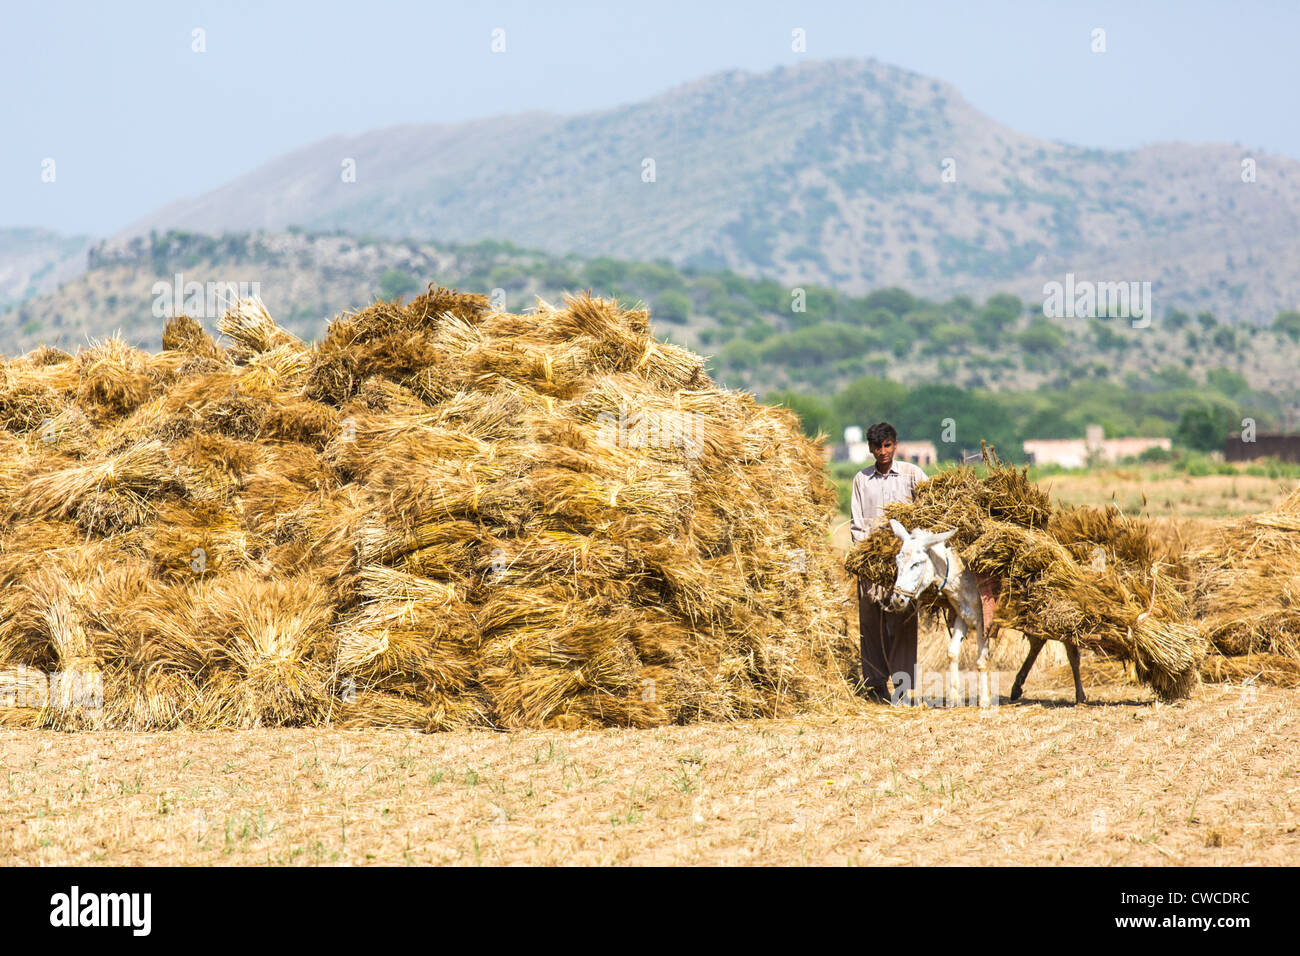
(815, 415)
(672, 306)
(1155, 454)
(1041, 337)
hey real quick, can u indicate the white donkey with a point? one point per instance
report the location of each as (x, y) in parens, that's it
(925, 560)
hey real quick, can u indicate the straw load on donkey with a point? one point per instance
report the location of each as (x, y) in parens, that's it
(438, 516)
(1088, 577)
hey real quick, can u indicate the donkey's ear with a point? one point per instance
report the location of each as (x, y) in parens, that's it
(933, 539)
(899, 529)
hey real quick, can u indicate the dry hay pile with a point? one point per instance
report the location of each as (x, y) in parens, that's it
(1245, 589)
(1087, 576)
(438, 516)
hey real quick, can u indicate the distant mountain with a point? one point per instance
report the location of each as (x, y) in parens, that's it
(33, 261)
(757, 340)
(831, 173)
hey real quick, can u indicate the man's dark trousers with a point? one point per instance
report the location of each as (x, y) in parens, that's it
(888, 645)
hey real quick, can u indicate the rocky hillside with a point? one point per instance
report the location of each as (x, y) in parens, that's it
(758, 336)
(829, 173)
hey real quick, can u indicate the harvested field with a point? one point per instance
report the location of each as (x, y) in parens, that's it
(1211, 781)
(1156, 491)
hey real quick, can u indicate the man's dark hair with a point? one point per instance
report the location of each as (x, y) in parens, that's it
(880, 433)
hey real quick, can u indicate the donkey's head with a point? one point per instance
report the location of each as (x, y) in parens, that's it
(917, 560)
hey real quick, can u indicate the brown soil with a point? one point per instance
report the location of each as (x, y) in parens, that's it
(1121, 780)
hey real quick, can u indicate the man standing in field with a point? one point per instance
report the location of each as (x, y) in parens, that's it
(888, 637)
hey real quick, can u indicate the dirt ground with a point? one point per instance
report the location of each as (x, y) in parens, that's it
(1121, 780)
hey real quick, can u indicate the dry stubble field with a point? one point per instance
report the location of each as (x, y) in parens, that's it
(1121, 780)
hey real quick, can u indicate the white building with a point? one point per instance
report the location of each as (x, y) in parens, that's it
(1093, 449)
(921, 453)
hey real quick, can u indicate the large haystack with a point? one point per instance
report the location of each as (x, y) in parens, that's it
(439, 516)
(1087, 576)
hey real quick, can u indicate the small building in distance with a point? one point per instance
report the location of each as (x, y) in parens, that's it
(1281, 447)
(921, 453)
(856, 450)
(1093, 449)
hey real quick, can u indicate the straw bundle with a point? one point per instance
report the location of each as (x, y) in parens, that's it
(1245, 584)
(439, 516)
(1276, 669)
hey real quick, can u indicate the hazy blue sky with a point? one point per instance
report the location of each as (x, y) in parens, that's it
(134, 119)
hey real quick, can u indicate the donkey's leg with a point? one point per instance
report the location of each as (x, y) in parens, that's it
(982, 663)
(954, 651)
(1072, 653)
(1035, 645)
